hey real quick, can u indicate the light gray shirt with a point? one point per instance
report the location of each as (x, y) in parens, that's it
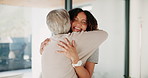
(94, 57)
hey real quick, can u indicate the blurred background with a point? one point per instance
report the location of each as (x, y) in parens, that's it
(123, 55)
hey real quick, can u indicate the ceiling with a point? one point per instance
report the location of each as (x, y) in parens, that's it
(40, 3)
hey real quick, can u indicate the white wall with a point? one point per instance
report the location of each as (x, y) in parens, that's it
(144, 40)
(135, 24)
(138, 39)
(39, 33)
(111, 17)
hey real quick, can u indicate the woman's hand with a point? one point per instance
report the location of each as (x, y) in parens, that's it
(43, 44)
(69, 50)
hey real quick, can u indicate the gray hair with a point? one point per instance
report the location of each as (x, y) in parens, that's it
(58, 21)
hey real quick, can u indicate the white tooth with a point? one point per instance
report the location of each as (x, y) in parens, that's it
(77, 28)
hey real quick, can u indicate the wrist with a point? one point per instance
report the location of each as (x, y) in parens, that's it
(74, 60)
(79, 63)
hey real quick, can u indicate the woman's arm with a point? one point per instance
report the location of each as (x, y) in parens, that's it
(70, 51)
(90, 67)
(85, 71)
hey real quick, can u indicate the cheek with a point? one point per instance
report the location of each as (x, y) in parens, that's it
(72, 25)
(84, 27)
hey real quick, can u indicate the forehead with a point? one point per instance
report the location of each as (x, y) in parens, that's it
(81, 15)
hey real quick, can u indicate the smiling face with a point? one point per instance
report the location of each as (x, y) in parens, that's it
(79, 23)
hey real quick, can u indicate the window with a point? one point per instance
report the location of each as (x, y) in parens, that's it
(15, 38)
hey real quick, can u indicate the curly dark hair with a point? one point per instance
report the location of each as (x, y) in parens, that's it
(91, 20)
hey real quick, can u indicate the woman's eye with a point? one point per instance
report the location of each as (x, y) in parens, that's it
(84, 22)
(75, 19)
